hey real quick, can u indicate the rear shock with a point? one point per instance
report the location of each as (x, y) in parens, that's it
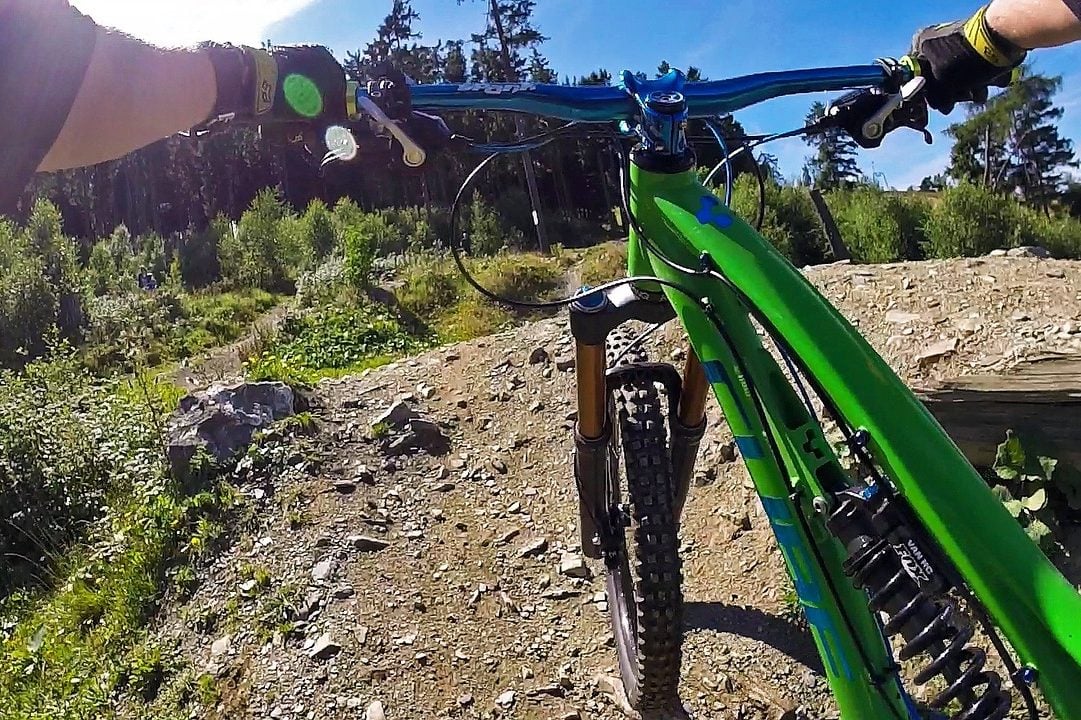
(885, 559)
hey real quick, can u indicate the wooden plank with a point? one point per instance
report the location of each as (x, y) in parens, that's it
(1039, 399)
(837, 243)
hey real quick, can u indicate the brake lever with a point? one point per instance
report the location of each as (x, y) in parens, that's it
(887, 112)
(413, 155)
(876, 126)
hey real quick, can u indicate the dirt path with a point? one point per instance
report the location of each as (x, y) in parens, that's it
(428, 583)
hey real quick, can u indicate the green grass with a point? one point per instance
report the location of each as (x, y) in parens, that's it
(434, 290)
(603, 263)
(214, 319)
(74, 648)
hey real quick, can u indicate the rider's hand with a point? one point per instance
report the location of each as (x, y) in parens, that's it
(300, 85)
(961, 59)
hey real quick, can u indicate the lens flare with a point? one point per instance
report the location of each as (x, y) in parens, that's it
(341, 145)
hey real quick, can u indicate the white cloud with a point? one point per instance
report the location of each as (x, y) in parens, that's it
(185, 22)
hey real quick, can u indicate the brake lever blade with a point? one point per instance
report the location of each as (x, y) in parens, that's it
(875, 127)
(413, 155)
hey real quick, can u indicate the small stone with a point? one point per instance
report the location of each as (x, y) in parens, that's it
(569, 715)
(221, 646)
(443, 487)
(345, 487)
(465, 700)
(364, 475)
(324, 648)
(573, 565)
(375, 712)
(968, 326)
(508, 536)
(344, 591)
(499, 466)
(364, 543)
(506, 699)
(322, 570)
(1056, 273)
(899, 317)
(538, 356)
(613, 688)
(1029, 251)
(560, 594)
(1020, 316)
(395, 416)
(247, 586)
(533, 548)
(426, 391)
(937, 350)
(565, 363)
(997, 253)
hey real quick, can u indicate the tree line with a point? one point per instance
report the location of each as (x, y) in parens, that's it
(1011, 145)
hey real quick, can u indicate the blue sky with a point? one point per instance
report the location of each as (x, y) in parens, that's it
(723, 37)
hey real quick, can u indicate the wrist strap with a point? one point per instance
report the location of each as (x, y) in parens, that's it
(233, 77)
(990, 44)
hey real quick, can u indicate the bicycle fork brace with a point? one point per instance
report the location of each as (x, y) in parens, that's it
(592, 319)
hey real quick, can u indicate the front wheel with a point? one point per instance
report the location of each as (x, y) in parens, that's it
(645, 577)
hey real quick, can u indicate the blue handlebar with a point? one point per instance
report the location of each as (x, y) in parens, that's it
(608, 104)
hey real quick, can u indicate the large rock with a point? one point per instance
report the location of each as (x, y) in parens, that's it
(222, 420)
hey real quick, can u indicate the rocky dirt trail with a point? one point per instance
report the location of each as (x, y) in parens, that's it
(434, 572)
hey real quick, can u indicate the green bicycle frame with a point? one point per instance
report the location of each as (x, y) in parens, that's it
(791, 463)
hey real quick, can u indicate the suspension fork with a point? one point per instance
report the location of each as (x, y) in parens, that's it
(593, 317)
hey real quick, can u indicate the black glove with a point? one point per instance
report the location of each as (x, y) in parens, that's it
(961, 59)
(293, 85)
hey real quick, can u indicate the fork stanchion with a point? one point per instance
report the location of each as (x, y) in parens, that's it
(688, 427)
(591, 440)
(592, 400)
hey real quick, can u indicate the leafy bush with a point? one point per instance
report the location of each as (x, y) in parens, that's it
(970, 221)
(112, 264)
(361, 239)
(1036, 491)
(262, 254)
(487, 232)
(332, 338)
(120, 327)
(429, 285)
(67, 447)
(323, 284)
(603, 263)
(198, 253)
(790, 223)
(318, 229)
(878, 227)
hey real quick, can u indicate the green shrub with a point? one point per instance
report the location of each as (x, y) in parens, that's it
(970, 221)
(333, 338)
(603, 263)
(362, 238)
(790, 223)
(112, 266)
(322, 285)
(318, 228)
(878, 227)
(28, 309)
(429, 285)
(266, 251)
(67, 447)
(487, 232)
(1061, 236)
(198, 254)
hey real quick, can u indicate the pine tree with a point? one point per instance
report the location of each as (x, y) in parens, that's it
(1012, 144)
(597, 77)
(454, 63)
(500, 50)
(834, 162)
(393, 45)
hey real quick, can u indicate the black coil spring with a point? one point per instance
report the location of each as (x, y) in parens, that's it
(929, 627)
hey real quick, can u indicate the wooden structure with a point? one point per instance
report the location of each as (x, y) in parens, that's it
(1039, 399)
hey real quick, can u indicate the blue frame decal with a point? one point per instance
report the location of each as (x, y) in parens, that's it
(810, 594)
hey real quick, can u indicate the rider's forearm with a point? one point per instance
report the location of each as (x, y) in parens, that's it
(132, 95)
(1036, 23)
